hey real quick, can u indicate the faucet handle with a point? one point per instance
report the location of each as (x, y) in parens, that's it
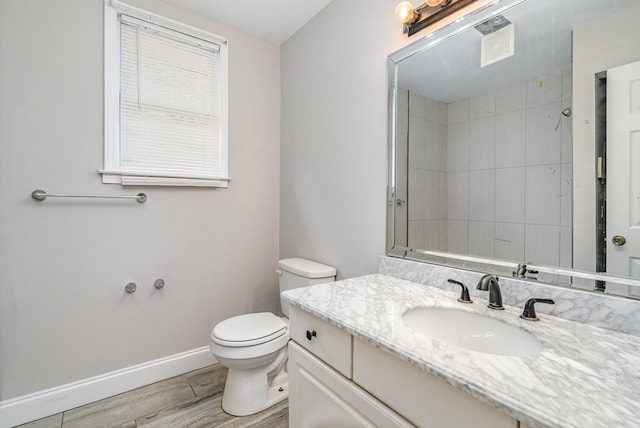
(522, 271)
(464, 295)
(529, 312)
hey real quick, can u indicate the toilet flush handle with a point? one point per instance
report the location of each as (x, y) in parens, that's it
(279, 271)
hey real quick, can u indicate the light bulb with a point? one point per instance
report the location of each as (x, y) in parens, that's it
(404, 12)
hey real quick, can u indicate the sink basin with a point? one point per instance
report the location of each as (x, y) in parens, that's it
(472, 332)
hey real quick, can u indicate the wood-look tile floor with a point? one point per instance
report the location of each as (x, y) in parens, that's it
(191, 400)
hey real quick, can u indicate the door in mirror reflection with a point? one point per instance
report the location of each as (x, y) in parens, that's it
(623, 171)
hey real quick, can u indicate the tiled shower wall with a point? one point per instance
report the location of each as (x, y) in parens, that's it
(427, 187)
(491, 175)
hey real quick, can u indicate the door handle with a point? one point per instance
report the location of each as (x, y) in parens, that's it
(618, 240)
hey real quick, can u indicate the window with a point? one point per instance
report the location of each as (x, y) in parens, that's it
(165, 101)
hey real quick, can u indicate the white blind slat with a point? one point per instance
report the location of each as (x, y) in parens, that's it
(169, 109)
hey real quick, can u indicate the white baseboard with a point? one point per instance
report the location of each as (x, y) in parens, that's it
(48, 402)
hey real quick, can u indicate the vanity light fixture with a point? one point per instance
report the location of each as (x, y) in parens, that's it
(416, 19)
(405, 13)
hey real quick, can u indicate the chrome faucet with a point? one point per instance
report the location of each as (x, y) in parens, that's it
(490, 282)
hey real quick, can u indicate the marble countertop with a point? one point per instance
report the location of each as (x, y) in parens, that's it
(585, 377)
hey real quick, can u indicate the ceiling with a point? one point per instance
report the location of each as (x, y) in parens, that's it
(273, 20)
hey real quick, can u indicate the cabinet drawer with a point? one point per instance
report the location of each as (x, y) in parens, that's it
(418, 396)
(326, 341)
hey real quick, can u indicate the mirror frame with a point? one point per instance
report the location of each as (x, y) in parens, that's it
(570, 277)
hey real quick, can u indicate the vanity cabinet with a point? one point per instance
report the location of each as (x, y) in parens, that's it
(336, 379)
(321, 397)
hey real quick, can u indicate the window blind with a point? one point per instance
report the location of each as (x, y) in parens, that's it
(169, 104)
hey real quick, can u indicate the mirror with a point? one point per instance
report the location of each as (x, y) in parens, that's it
(501, 159)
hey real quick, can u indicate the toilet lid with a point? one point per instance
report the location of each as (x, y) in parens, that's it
(248, 329)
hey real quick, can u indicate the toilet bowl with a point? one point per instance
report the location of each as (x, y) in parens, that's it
(254, 346)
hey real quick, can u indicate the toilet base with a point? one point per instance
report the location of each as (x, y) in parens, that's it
(249, 391)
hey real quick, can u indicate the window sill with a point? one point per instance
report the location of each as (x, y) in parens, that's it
(114, 177)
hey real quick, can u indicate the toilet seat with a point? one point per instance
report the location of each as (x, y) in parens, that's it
(248, 330)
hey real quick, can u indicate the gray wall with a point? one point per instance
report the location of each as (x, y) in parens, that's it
(63, 263)
(334, 135)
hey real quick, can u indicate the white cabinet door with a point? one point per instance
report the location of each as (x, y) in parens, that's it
(320, 397)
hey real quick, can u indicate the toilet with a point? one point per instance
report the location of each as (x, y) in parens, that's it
(254, 346)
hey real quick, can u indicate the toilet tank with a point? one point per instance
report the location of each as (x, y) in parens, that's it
(297, 272)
